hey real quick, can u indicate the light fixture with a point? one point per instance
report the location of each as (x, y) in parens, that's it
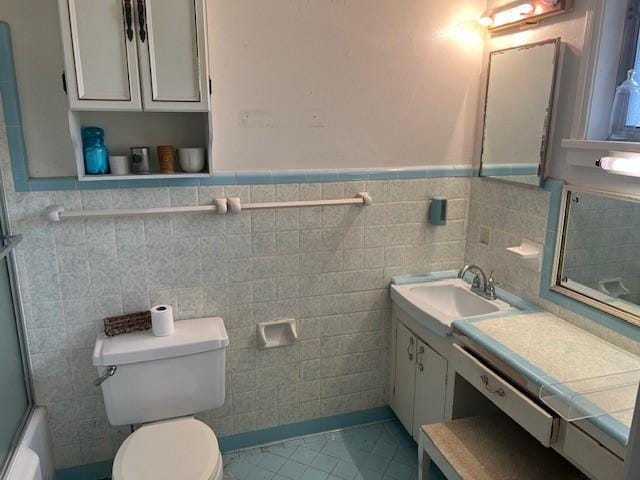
(486, 20)
(629, 166)
(520, 13)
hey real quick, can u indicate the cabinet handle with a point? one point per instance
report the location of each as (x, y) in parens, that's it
(498, 391)
(419, 359)
(410, 349)
(142, 20)
(128, 16)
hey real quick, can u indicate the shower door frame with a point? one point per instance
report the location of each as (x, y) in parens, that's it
(5, 229)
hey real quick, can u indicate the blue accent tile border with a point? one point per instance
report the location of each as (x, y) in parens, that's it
(555, 187)
(24, 183)
(508, 170)
(99, 470)
(269, 435)
(93, 471)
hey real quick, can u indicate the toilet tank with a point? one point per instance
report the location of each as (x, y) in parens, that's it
(157, 378)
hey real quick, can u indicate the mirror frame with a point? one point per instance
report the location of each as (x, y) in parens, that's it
(551, 108)
(558, 260)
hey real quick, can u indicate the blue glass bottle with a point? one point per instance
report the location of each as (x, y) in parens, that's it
(96, 156)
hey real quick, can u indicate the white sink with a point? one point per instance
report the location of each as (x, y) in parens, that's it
(438, 304)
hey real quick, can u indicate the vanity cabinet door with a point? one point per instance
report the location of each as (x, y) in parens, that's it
(404, 388)
(430, 388)
(100, 54)
(173, 60)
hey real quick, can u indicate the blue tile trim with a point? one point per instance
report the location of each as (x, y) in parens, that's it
(220, 178)
(254, 178)
(427, 277)
(289, 177)
(503, 170)
(95, 471)
(92, 471)
(555, 187)
(275, 434)
(13, 121)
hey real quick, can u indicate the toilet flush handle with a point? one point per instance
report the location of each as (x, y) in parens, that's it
(111, 370)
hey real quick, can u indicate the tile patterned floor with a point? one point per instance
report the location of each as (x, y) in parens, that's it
(380, 451)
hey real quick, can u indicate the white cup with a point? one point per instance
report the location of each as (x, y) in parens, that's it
(191, 159)
(119, 165)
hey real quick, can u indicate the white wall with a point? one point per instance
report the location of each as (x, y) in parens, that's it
(297, 84)
(37, 53)
(343, 84)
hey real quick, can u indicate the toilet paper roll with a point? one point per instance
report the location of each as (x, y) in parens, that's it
(162, 320)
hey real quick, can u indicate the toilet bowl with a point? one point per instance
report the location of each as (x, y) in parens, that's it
(184, 449)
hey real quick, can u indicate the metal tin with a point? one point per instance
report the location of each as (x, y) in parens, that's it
(140, 160)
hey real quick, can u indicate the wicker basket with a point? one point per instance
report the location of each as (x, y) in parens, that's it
(131, 322)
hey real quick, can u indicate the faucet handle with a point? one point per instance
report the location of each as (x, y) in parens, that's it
(491, 281)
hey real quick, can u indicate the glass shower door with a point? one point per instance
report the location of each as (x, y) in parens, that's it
(15, 400)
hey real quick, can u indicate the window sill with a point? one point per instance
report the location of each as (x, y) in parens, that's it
(601, 145)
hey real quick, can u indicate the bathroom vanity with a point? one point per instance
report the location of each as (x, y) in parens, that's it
(452, 358)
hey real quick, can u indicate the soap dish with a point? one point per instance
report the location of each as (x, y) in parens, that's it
(277, 334)
(529, 251)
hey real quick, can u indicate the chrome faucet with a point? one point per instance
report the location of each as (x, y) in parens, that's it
(480, 284)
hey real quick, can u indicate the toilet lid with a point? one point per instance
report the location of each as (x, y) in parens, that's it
(184, 449)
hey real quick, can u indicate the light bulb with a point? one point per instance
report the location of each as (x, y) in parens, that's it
(621, 165)
(526, 9)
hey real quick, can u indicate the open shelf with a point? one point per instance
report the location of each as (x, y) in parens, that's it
(124, 130)
(150, 176)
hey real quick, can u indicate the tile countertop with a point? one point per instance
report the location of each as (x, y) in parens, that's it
(548, 350)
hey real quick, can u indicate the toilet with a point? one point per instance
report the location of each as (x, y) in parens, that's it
(160, 383)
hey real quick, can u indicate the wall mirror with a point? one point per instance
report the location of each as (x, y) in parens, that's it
(518, 111)
(598, 243)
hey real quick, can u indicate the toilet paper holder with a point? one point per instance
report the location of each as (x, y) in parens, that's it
(277, 333)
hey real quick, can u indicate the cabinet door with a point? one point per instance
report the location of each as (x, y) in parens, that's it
(173, 59)
(430, 388)
(100, 53)
(404, 388)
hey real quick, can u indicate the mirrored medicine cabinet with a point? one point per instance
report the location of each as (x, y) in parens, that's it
(519, 103)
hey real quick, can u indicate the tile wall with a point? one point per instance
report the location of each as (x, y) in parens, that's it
(500, 216)
(327, 267)
(503, 214)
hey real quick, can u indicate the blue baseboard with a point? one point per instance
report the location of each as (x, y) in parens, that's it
(275, 434)
(100, 470)
(93, 471)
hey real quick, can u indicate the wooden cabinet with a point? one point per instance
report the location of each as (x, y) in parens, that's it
(135, 55)
(419, 383)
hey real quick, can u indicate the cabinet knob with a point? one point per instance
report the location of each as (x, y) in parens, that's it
(410, 349)
(498, 391)
(419, 359)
